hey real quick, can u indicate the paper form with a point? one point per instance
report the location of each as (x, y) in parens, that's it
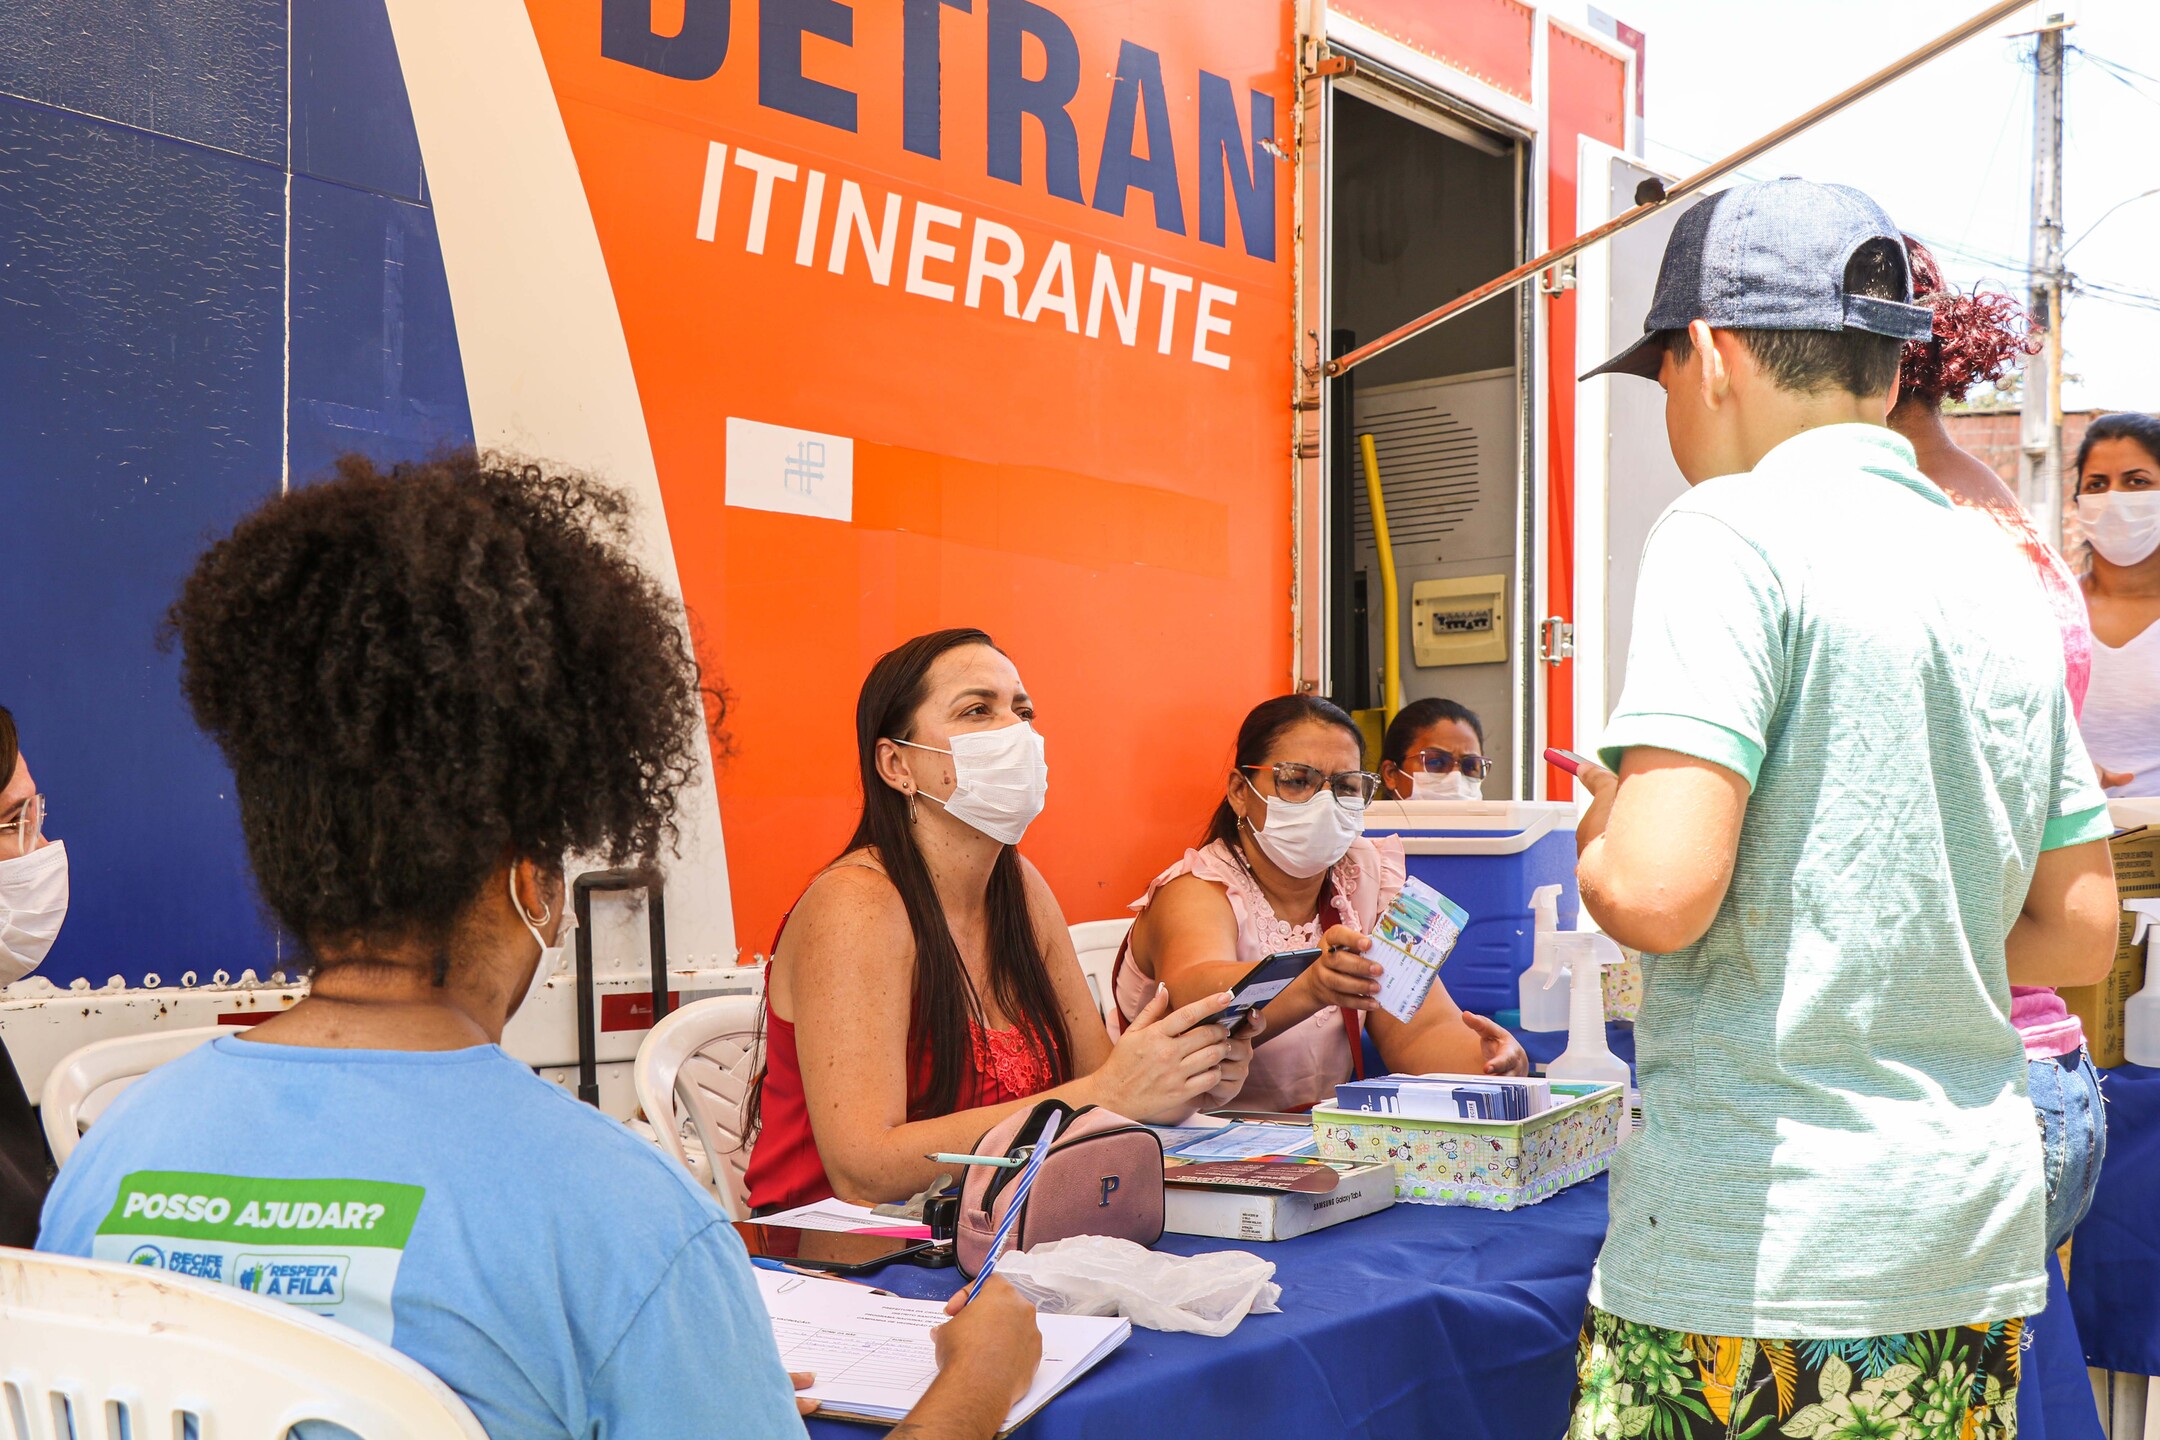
(874, 1357)
(843, 1218)
(1247, 1140)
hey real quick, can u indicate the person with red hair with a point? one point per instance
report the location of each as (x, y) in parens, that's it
(1978, 336)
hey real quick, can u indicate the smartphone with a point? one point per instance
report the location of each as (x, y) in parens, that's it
(838, 1251)
(1261, 984)
(1567, 760)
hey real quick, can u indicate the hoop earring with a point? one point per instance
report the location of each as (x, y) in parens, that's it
(911, 816)
(547, 911)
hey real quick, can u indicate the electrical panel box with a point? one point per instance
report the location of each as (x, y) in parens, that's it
(1462, 621)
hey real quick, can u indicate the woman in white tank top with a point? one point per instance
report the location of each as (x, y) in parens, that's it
(2118, 468)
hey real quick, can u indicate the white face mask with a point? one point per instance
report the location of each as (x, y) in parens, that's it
(1452, 786)
(999, 780)
(33, 902)
(2124, 524)
(1307, 838)
(551, 956)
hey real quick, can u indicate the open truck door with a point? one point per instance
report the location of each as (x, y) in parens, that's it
(1625, 473)
(1431, 158)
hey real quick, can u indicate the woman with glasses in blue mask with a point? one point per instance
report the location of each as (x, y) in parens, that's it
(1434, 750)
(1285, 865)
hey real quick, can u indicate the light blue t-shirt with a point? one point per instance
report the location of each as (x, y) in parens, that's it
(559, 1274)
(1836, 1137)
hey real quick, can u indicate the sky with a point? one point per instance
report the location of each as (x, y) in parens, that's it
(1947, 149)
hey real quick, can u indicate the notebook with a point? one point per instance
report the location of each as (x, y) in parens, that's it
(873, 1356)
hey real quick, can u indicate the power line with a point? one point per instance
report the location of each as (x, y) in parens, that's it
(2123, 75)
(2115, 65)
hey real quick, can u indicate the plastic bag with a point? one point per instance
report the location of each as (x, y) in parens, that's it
(1099, 1275)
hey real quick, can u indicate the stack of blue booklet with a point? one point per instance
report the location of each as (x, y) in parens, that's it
(1447, 1097)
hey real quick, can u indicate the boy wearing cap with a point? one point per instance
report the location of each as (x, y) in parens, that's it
(1850, 810)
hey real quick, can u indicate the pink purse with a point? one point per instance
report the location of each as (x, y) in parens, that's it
(1103, 1176)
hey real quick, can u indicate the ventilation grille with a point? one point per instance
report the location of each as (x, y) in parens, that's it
(1428, 469)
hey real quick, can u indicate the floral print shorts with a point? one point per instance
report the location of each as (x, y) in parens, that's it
(1639, 1380)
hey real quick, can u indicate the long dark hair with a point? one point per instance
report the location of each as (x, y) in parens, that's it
(945, 1002)
(1262, 728)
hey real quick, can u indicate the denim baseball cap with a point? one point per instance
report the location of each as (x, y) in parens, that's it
(1772, 257)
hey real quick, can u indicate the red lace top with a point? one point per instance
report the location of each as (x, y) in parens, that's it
(785, 1169)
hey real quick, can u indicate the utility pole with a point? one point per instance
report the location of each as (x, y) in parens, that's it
(2040, 406)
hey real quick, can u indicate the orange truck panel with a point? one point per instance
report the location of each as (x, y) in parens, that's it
(1490, 40)
(1011, 253)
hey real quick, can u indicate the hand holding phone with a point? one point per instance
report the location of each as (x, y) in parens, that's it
(1567, 760)
(1261, 984)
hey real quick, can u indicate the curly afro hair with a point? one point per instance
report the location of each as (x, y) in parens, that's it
(422, 675)
(1978, 336)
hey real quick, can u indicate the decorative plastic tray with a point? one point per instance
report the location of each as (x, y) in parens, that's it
(1489, 1164)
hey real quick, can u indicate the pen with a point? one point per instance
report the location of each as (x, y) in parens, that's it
(1003, 1162)
(1014, 1206)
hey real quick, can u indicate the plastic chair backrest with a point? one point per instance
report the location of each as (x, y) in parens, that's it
(93, 1350)
(1097, 942)
(115, 1062)
(697, 1066)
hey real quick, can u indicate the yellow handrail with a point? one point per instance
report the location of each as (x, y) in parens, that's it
(1391, 623)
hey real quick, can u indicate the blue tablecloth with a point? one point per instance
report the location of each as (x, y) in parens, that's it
(1419, 1321)
(2115, 1259)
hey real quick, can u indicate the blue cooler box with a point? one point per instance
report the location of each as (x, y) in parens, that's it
(1487, 856)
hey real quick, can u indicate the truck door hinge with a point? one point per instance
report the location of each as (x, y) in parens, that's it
(1556, 640)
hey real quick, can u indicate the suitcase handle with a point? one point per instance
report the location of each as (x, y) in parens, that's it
(581, 893)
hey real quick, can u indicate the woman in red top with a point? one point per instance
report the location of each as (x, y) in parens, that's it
(925, 986)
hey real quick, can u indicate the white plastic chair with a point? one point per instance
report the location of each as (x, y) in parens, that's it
(1097, 942)
(88, 1347)
(76, 1091)
(696, 1067)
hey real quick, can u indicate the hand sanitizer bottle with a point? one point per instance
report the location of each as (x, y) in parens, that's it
(2141, 1013)
(1587, 1056)
(1542, 990)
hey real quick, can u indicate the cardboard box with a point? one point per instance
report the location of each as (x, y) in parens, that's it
(1227, 1214)
(2100, 1007)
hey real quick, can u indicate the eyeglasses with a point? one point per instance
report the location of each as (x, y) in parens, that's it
(1440, 762)
(1297, 783)
(20, 834)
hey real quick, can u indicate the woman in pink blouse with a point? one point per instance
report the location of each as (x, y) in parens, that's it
(1286, 865)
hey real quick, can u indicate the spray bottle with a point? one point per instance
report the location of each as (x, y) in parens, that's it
(1542, 990)
(1587, 1056)
(2141, 1013)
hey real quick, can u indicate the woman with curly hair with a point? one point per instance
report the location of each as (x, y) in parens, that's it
(1978, 336)
(433, 684)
